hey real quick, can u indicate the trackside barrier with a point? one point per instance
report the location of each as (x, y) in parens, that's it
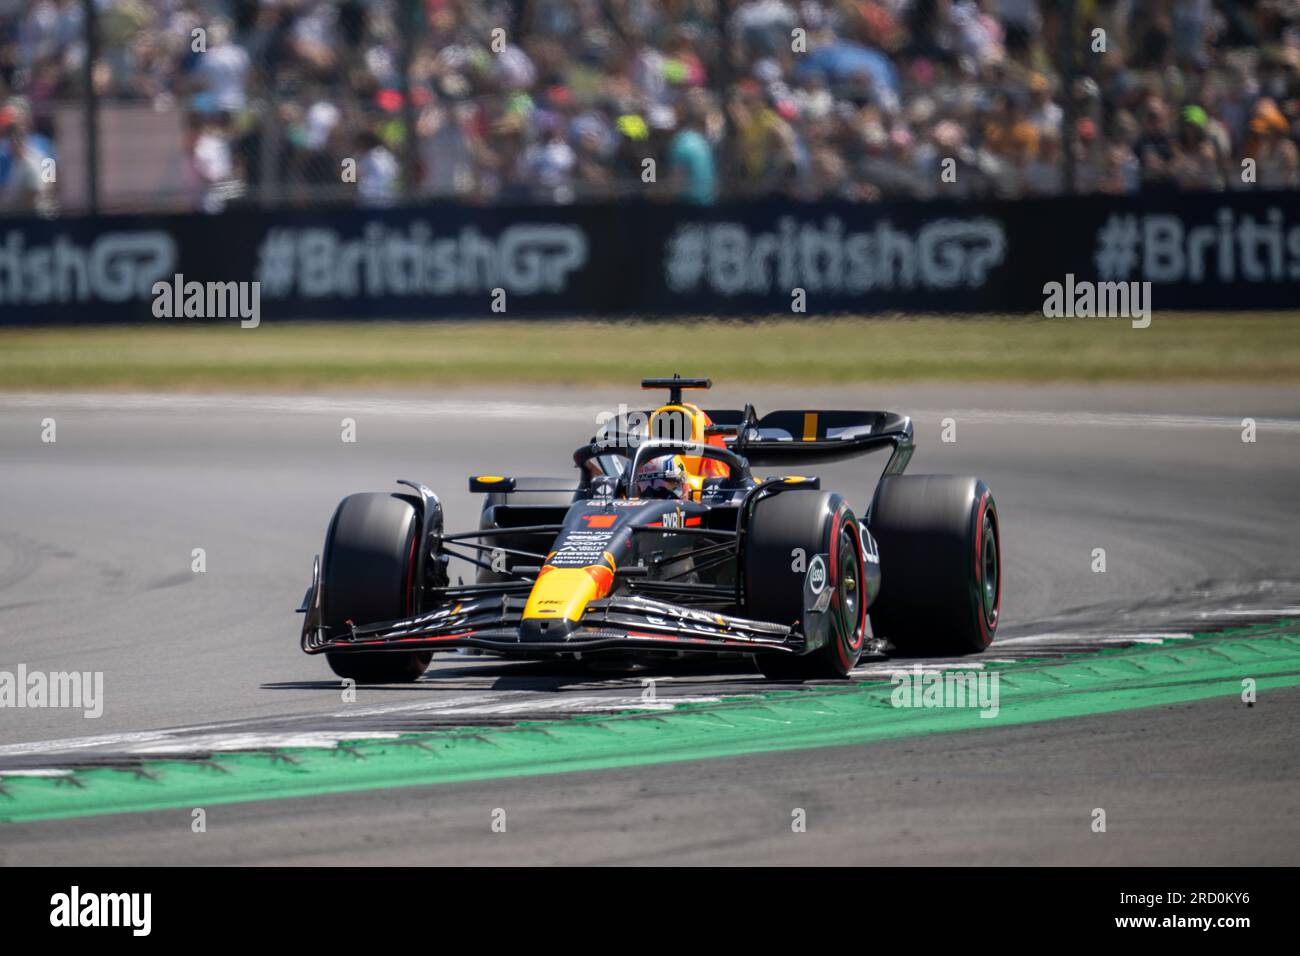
(1199, 251)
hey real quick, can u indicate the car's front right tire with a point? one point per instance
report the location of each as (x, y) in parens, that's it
(807, 523)
(367, 576)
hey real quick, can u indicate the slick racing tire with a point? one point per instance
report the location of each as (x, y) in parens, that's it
(940, 564)
(810, 522)
(367, 573)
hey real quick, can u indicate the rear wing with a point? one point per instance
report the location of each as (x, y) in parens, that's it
(813, 437)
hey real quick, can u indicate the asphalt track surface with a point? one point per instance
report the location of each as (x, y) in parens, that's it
(97, 531)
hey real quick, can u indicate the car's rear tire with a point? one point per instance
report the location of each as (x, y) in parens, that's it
(940, 564)
(367, 572)
(811, 523)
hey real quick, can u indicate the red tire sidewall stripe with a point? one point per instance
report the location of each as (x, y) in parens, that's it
(410, 568)
(846, 644)
(861, 632)
(985, 505)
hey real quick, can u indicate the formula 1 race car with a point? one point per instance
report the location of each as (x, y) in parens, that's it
(666, 544)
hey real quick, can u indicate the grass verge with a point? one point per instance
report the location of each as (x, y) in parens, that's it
(1190, 347)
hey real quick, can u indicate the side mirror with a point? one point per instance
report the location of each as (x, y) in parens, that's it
(489, 483)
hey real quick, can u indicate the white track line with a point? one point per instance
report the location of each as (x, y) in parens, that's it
(1111, 419)
(306, 405)
(81, 743)
(901, 667)
(578, 705)
(35, 773)
(183, 740)
(165, 743)
(428, 706)
(1262, 612)
(225, 743)
(468, 408)
(1137, 638)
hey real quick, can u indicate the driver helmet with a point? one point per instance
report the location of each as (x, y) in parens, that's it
(662, 477)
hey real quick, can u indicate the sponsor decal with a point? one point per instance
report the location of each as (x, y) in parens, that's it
(320, 262)
(869, 551)
(728, 258)
(112, 267)
(817, 575)
(1235, 247)
(581, 548)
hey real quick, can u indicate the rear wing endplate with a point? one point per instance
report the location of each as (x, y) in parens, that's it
(813, 437)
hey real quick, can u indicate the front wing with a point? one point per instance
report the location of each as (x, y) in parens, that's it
(615, 623)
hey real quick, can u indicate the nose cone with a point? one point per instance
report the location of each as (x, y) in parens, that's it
(559, 597)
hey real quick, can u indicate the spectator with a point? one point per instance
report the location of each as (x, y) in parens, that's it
(222, 69)
(1010, 136)
(1196, 162)
(378, 171)
(1274, 151)
(692, 175)
(549, 165)
(1119, 175)
(1155, 147)
(212, 167)
(449, 155)
(1044, 113)
(1043, 175)
(25, 180)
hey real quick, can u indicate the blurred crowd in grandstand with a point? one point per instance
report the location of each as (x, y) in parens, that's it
(821, 99)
